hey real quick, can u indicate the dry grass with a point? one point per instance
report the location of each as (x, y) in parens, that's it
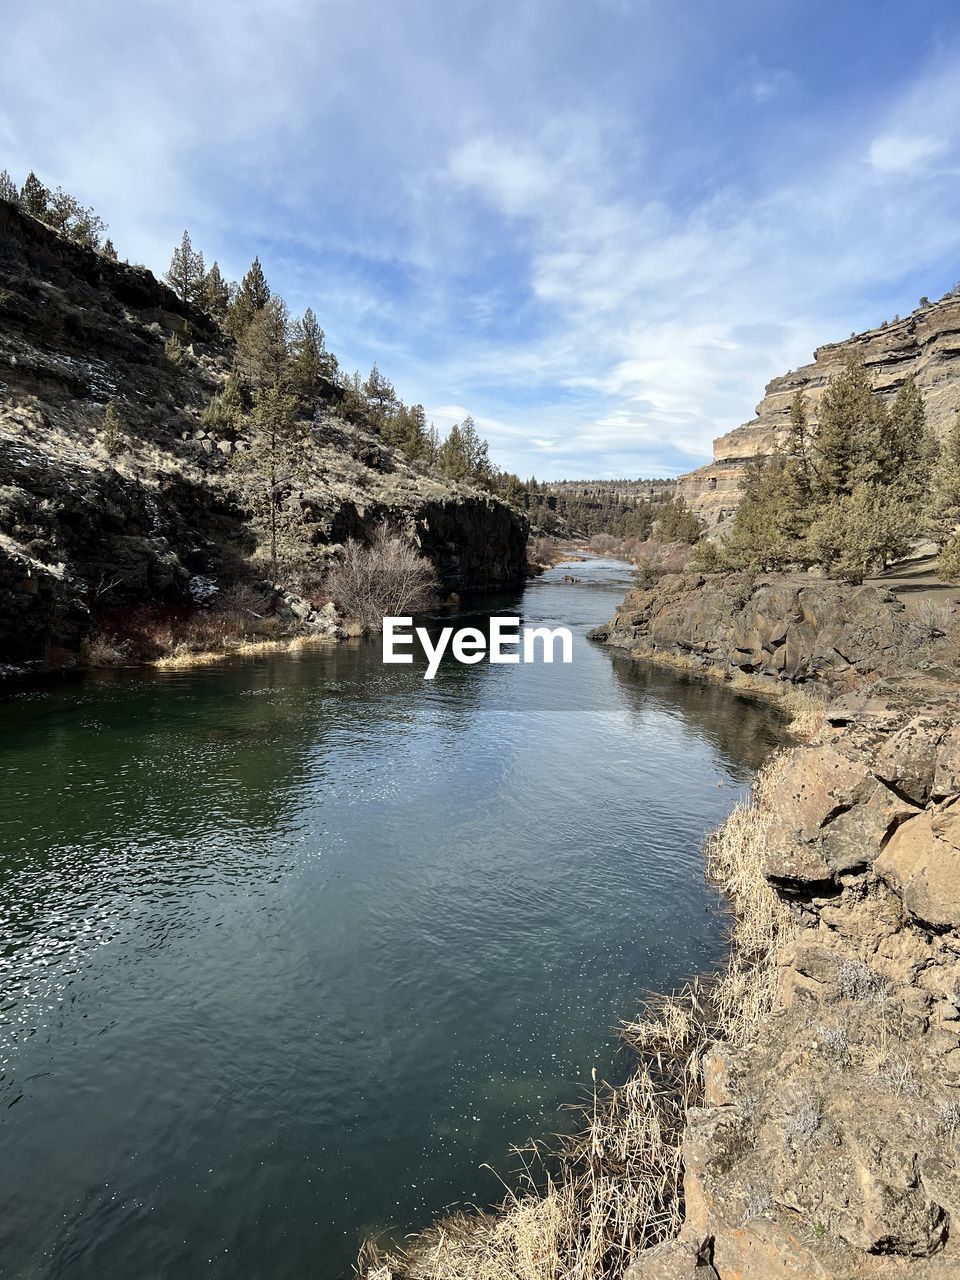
(241, 648)
(618, 1186)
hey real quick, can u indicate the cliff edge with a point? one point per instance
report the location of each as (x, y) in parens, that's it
(925, 345)
(87, 523)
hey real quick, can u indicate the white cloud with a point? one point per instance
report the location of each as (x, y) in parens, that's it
(528, 212)
(901, 153)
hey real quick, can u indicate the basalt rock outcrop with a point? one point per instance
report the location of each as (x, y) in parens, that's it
(828, 1144)
(83, 526)
(926, 345)
(795, 628)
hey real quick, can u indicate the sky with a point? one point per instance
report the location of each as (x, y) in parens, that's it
(597, 226)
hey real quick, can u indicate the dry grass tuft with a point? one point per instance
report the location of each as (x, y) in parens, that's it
(617, 1187)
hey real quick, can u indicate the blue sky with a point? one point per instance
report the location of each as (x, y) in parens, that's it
(599, 226)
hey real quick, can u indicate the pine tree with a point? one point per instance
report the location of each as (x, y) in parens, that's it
(109, 251)
(862, 531)
(225, 408)
(310, 359)
(252, 296)
(263, 349)
(8, 188)
(185, 275)
(943, 515)
(799, 447)
(215, 294)
(852, 425)
(34, 196)
(268, 469)
(908, 449)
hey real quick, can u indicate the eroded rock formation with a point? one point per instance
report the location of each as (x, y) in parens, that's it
(828, 1144)
(795, 628)
(926, 344)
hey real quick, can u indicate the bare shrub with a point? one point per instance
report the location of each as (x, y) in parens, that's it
(802, 1121)
(386, 578)
(834, 1039)
(857, 981)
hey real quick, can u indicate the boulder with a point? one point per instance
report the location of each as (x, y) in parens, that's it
(921, 863)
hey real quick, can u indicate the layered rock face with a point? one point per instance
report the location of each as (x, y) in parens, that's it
(926, 344)
(794, 628)
(828, 1144)
(80, 529)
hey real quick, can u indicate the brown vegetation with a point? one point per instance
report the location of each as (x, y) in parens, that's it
(387, 578)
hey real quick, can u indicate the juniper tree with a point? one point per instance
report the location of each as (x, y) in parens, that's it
(381, 399)
(266, 472)
(465, 455)
(252, 296)
(849, 443)
(215, 293)
(186, 273)
(34, 196)
(263, 349)
(309, 358)
(452, 456)
(112, 432)
(950, 560)
(225, 408)
(943, 514)
(769, 524)
(862, 531)
(676, 523)
(908, 449)
(72, 219)
(408, 430)
(799, 446)
(108, 250)
(8, 188)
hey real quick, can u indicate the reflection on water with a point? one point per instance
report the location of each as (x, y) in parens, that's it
(293, 945)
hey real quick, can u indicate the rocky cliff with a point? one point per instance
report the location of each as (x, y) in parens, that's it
(794, 628)
(824, 1139)
(825, 1142)
(926, 344)
(81, 527)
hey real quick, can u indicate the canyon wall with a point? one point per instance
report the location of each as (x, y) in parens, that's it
(926, 344)
(85, 527)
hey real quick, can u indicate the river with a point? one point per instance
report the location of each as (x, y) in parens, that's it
(292, 945)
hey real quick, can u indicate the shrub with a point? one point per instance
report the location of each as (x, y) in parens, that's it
(173, 350)
(950, 560)
(112, 433)
(711, 557)
(388, 577)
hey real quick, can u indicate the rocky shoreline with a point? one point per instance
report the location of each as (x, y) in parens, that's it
(798, 1115)
(826, 1139)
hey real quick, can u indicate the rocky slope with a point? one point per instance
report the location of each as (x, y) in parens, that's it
(926, 344)
(826, 1138)
(826, 1142)
(80, 529)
